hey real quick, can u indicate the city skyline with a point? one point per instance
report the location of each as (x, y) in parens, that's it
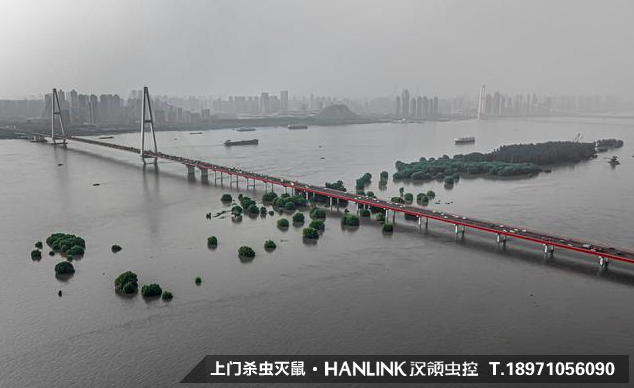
(239, 47)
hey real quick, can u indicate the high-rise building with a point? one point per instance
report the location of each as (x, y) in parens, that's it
(405, 102)
(419, 107)
(398, 105)
(265, 108)
(284, 100)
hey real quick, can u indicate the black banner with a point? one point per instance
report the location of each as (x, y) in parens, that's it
(410, 369)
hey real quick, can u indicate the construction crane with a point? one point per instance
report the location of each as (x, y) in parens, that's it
(578, 138)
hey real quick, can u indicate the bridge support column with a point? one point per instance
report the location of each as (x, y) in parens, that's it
(460, 230)
(603, 262)
(191, 171)
(500, 238)
(548, 250)
(393, 217)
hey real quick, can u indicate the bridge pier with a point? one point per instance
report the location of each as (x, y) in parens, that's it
(191, 170)
(500, 238)
(252, 185)
(548, 250)
(460, 230)
(603, 262)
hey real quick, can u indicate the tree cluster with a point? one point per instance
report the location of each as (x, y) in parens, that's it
(68, 245)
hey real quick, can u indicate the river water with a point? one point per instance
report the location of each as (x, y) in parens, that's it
(353, 292)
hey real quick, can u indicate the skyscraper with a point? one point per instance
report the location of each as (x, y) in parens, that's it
(398, 105)
(284, 100)
(405, 102)
(419, 106)
(264, 103)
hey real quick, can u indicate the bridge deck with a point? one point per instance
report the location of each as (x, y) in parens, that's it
(576, 245)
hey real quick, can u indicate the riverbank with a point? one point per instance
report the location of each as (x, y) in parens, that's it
(19, 130)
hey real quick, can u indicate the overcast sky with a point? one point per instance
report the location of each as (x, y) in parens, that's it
(326, 47)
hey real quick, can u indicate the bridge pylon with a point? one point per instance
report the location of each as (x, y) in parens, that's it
(56, 111)
(147, 117)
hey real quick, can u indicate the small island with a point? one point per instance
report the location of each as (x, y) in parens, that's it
(126, 283)
(36, 254)
(167, 295)
(151, 290)
(269, 245)
(68, 245)
(282, 223)
(64, 268)
(349, 220)
(508, 160)
(317, 213)
(116, 248)
(298, 218)
(198, 280)
(310, 233)
(226, 198)
(317, 224)
(212, 241)
(245, 252)
(387, 228)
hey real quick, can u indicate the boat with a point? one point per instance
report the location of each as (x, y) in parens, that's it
(464, 140)
(196, 133)
(229, 143)
(614, 161)
(106, 137)
(297, 126)
(246, 129)
(37, 139)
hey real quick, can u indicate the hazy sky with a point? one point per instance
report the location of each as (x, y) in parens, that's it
(327, 47)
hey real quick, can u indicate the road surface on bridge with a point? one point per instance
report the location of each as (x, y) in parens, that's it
(549, 241)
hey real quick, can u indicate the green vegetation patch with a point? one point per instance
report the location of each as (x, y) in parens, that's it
(150, 290)
(317, 224)
(349, 220)
(282, 223)
(269, 245)
(64, 268)
(246, 252)
(68, 245)
(127, 283)
(310, 233)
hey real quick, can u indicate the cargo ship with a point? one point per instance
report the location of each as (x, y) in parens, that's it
(297, 126)
(241, 142)
(245, 129)
(464, 140)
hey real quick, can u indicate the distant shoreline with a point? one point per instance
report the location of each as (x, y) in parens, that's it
(27, 128)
